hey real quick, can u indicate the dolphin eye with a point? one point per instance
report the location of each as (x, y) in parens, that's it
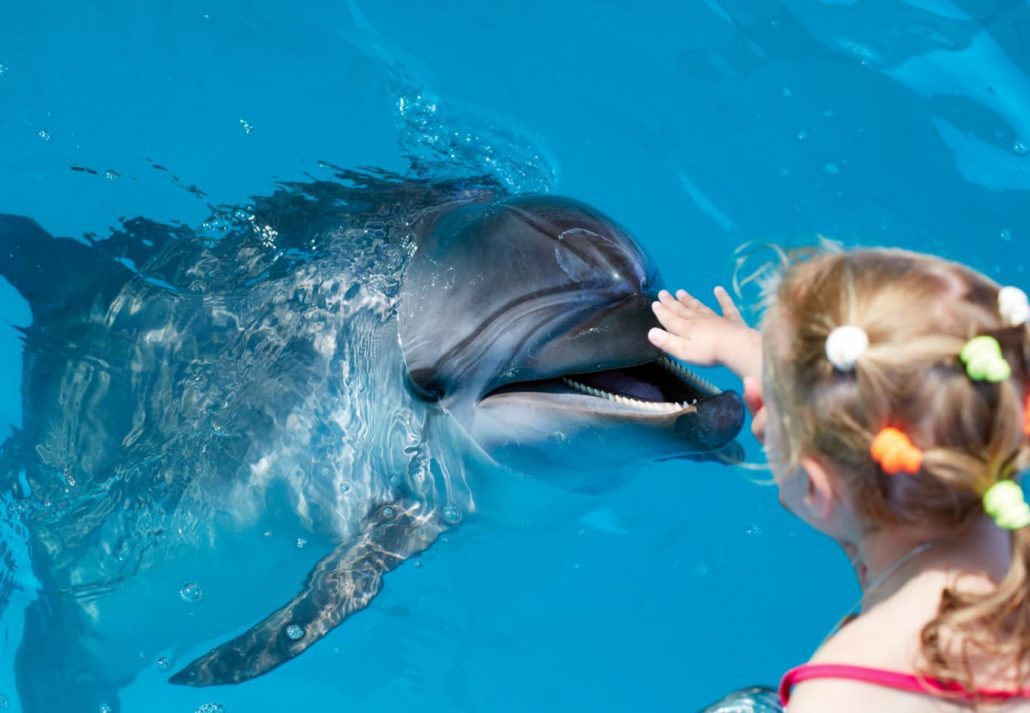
(579, 253)
(387, 512)
(421, 385)
(589, 257)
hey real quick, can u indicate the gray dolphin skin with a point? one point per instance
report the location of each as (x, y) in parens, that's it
(373, 352)
(544, 355)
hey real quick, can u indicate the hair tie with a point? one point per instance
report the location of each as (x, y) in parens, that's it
(984, 361)
(1004, 502)
(895, 452)
(845, 345)
(1014, 306)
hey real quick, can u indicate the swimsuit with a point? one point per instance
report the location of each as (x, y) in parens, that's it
(893, 679)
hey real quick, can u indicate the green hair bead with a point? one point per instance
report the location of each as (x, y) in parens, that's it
(984, 360)
(1004, 502)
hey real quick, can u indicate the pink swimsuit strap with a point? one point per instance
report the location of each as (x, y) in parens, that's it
(891, 679)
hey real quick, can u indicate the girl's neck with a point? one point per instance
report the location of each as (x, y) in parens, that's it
(890, 557)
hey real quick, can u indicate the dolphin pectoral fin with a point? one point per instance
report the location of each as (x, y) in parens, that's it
(55, 274)
(342, 583)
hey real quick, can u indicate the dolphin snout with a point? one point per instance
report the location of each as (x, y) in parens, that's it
(717, 421)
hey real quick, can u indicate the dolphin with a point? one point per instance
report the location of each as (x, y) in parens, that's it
(378, 346)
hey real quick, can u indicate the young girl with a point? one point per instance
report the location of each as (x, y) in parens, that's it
(892, 404)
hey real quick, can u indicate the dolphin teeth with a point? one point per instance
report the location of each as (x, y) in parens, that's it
(658, 406)
(689, 376)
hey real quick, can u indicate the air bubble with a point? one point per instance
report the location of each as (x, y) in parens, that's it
(190, 592)
(1006, 235)
(701, 569)
(122, 553)
(105, 708)
(802, 135)
(295, 632)
(44, 134)
(344, 487)
(112, 175)
(211, 708)
(301, 542)
(217, 225)
(247, 128)
(753, 530)
(163, 664)
(4, 69)
(1019, 148)
(832, 168)
(451, 514)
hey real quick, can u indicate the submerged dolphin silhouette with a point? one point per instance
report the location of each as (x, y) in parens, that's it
(520, 323)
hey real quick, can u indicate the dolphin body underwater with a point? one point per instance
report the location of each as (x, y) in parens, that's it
(373, 352)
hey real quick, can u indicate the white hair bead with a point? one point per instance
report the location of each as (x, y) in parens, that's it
(845, 345)
(1013, 306)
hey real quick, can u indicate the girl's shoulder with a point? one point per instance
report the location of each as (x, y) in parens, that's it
(888, 639)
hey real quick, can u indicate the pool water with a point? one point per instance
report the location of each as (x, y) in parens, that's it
(698, 126)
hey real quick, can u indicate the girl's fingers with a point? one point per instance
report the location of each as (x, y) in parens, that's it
(668, 343)
(683, 304)
(758, 422)
(675, 307)
(756, 405)
(753, 395)
(685, 297)
(689, 301)
(726, 304)
(669, 319)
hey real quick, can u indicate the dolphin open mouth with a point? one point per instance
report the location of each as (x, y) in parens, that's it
(662, 386)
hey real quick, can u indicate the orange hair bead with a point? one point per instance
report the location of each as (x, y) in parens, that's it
(895, 452)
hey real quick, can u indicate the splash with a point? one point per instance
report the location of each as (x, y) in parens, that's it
(253, 352)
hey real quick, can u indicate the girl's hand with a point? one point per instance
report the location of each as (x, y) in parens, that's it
(756, 406)
(696, 334)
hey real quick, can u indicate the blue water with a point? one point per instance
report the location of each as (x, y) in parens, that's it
(699, 126)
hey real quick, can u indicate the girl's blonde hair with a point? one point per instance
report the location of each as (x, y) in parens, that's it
(918, 312)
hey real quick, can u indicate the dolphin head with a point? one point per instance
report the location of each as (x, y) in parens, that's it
(526, 319)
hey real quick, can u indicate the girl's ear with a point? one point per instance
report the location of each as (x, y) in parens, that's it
(822, 498)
